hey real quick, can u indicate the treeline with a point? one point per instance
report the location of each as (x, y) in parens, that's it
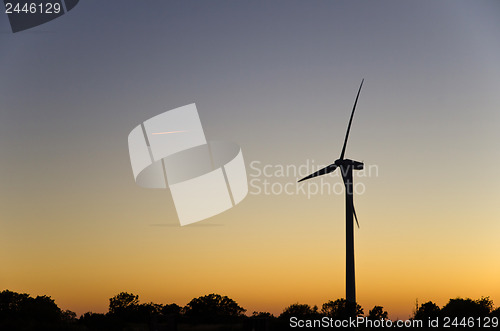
(20, 311)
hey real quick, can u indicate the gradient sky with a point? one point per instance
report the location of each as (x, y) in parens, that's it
(279, 78)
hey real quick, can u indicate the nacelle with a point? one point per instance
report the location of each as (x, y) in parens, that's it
(347, 162)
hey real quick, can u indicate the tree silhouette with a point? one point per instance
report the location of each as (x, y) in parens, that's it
(300, 310)
(169, 315)
(262, 314)
(213, 307)
(467, 307)
(377, 313)
(97, 321)
(44, 309)
(19, 311)
(126, 308)
(261, 321)
(122, 303)
(495, 313)
(171, 310)
(426, 311)
(341, 309)
(485, 303)
(68, 316)
(13, 305)
(145, 312)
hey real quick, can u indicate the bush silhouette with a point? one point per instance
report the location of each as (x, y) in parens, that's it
(428, 310)
(377, 313)
(341, 309)
(213, 308)
(300, 310)
(123, 303)
(20, 311)
(467, 307)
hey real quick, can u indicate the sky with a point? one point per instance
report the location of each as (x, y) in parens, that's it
(278, 78)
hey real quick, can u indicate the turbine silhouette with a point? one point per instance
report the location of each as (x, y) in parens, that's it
(346, 167)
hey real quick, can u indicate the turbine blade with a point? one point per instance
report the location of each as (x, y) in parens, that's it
(324, 171)
(354, 212)
(350, 121)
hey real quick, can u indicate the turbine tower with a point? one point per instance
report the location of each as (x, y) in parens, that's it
(346, 167)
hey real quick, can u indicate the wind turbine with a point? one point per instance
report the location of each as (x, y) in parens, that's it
(346, 167)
